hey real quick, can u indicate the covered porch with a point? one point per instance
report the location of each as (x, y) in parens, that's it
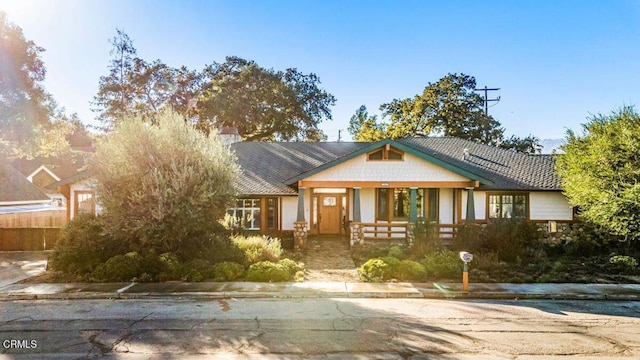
(382, 211)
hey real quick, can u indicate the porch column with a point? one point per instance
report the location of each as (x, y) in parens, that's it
(413, 204)
(300, 225)
(356, 205)
(300, 217)
(471, 209)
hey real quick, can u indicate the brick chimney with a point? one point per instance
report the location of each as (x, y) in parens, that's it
(229, 135)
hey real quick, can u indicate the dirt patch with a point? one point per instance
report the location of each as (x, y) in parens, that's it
(328, 259)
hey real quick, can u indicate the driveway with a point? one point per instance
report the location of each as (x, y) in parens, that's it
(19, 265)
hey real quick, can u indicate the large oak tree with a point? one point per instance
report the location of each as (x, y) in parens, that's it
(448, 107)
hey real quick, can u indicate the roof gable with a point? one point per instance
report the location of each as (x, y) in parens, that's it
(15, 188)
(398, 145)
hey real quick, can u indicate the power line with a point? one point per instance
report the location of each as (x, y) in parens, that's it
(486, 98)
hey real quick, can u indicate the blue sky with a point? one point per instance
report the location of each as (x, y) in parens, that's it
(556, 62)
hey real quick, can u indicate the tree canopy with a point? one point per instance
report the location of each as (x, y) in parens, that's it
(24, 103)
(448, 107)
(264, 104)
(600, 171)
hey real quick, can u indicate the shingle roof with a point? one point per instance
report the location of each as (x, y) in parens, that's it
(15, 187)
(508, 170)
(61, 167)
(266, 166)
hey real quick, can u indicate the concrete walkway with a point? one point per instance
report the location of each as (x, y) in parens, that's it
(211, 290)
(16, 266)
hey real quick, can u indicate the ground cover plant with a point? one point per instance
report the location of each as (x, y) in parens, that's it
(504, 251)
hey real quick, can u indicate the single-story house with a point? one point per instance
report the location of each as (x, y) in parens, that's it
(374, 190)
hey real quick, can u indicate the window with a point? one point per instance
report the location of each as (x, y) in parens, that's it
(272, 213)
(387, 153)
(507, 206)
(397, 203)
(247, 213)
(85, 202)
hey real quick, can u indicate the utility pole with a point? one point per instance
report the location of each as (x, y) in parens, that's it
(486, 98)
(339, 135)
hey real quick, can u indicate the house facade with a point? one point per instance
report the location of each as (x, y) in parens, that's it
(377, 190)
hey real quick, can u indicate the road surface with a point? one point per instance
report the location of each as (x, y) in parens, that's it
(319, 328)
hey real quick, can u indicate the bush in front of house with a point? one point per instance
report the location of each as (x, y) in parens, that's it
(409, 270)
(161, 185)
(373, 270)
(227, 271)
(267, 271)
(257, 248)
(623, 264)
(442, 264)
(119, 268)
(82, 247)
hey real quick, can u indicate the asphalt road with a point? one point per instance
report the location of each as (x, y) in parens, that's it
(319, 328)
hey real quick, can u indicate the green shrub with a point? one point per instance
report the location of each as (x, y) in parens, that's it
(510, 239)
(119, 268)
(291, 266)
(442, 264)
(227, 271)
(397, 252)
(196, 270)
(623, 263)
(82, 246)
(426, 239)
(408, 270)
(373, 270)
(267, 271)
(258, 248)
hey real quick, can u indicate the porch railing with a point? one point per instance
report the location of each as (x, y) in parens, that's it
(398, 231)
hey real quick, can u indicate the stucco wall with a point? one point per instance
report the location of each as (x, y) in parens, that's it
(411, 169)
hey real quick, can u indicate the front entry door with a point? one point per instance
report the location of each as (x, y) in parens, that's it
(330, 206)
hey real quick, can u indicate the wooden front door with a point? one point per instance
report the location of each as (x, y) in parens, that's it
(329, 211)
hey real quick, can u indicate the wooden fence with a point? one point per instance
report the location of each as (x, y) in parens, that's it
(28, 239)
(34, 219)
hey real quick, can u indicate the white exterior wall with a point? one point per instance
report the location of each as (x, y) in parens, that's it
(446, 206)
(289, 211)
(549, 205)
(479, 204)
(411, 169)
(368, 205)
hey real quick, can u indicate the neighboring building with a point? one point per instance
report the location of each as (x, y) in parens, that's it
(45, 172)
(17, 191)
(80, 194)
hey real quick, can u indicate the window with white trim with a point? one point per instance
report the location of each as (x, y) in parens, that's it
(247, 213)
